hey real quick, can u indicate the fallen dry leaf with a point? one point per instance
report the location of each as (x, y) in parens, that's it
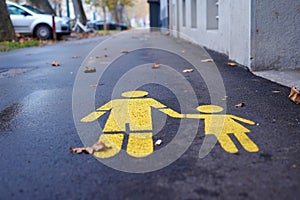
(207, 60)
(294, 95)
(276, 91)
(104, 56)
(225, 98)
(232, 64)
(125, 51)
(55, 64)
(99, 146)
(156, 66)
(96, 85)
(239, 105)
(166, 33)
(77, 150)
(89, 70)
(158, 142)
(187, 70)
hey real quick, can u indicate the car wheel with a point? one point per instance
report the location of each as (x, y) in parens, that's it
(43, 32)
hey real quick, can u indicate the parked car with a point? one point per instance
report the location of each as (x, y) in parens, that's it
(29, 20)
(99, 25)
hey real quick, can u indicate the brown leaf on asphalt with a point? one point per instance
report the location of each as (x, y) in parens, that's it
(77, 150)
(187, 70)
(207, 60)
(239, 105)
(99, 146)
(125, 51)
(294, 95)
(55, 64)
(89, 70)
(156, 66)
(104, 56)
(232, 64)
(166, 33)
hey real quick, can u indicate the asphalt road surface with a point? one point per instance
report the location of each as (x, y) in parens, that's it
(41, 109)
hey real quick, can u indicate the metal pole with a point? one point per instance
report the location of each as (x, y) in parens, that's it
(68, 8)
(53, 27)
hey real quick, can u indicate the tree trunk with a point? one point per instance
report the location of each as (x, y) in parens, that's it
(79, 11)
(7, 31)
(104, 13)
(43, 5)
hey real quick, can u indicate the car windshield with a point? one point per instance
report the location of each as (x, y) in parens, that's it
(37, 11)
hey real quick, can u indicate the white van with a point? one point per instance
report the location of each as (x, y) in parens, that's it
(28, 20)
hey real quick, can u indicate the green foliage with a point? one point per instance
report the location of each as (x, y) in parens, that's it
(7, 46)
(110, 4)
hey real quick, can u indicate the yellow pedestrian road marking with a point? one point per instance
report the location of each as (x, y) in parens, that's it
(134, 110)
(172, 113)
(92, 117)
(134, 113)
(221, 125)
(114, 141)
(140, 144)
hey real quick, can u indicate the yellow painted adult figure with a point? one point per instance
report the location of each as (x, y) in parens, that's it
(133, 112)
(221, 125)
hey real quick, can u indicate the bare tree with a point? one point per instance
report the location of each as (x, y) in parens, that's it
(7, 31)
(43, 5)
(115, 7)
(79, 11)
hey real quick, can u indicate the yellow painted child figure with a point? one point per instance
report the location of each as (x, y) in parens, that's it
(221, 125)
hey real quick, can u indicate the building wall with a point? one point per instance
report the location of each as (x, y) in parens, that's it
(240, 31)
(276, 34)
(260, 34)
(164, 19)
(232, 35)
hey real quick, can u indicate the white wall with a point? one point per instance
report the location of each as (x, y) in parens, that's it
(240, 30)
(276, 34)
(164, 13)
(231, 38)
(260, 34)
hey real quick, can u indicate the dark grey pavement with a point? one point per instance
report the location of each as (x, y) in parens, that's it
(37, 127)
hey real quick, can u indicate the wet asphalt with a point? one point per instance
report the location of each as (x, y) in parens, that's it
(37, 128)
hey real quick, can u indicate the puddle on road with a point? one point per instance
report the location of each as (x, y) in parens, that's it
(8, 114)
(7, 73)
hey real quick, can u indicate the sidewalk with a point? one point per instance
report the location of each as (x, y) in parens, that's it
(289, 78)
